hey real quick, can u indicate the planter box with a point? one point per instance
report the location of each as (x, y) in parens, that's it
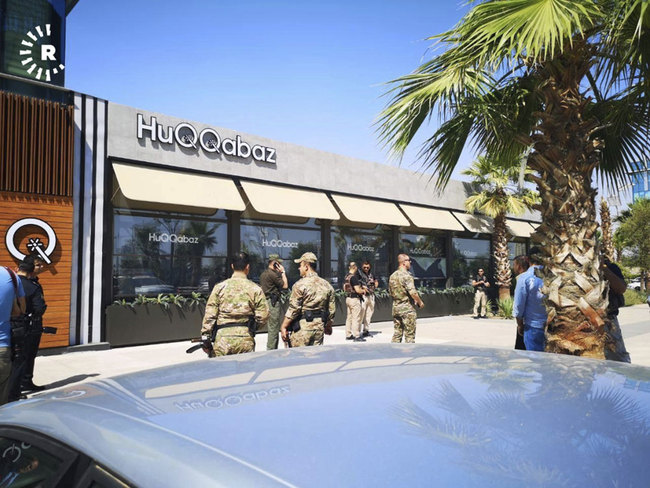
(151, 323)
(437, 305)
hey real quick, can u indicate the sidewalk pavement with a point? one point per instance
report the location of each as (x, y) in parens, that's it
(63, 369)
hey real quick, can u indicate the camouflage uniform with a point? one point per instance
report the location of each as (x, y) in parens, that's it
(310, 293)
(401, 285)
(234, 301)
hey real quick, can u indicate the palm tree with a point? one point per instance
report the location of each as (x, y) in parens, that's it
(606, 227)
(565, 79)
(499, 195)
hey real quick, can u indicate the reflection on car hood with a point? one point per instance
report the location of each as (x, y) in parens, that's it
(385, 415)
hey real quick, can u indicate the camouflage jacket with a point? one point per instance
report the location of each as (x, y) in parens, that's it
(311, 293)
(400, 286)
(234, 301)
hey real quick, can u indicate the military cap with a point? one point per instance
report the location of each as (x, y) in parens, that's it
(275, 257)
(309, 257)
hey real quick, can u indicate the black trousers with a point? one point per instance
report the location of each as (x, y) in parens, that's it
(32, 343)
(22, 371)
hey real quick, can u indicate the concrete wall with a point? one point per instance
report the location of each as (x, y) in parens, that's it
(295, 165)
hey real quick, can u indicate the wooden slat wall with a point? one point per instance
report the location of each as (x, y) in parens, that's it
(56, 211)
(36, 145)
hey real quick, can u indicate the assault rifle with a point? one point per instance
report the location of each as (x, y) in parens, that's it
(205, 342)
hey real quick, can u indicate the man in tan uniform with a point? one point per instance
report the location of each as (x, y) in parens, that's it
(237, 308)
(402, 289)
(312, 300)
(354, 301)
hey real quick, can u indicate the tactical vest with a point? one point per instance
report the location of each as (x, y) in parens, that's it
(347, 287)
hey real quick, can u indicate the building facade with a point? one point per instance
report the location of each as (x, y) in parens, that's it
(126, 202)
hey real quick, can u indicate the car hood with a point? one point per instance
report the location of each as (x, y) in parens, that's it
(384, 415)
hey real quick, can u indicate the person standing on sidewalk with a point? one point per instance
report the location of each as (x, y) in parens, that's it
(402, 289)
(519, 265)
(529, 309)
(273, 280)
(236, 308)
(369, 283)
(23, 368)
(354, 298)
(311, 305)
(480, 284)
(11, 302)
(615, 349)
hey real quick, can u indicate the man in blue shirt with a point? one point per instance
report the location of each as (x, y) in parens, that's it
(10, 289)
(529, 309)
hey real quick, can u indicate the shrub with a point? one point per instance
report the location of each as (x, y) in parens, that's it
(634, 297)
(506, 305)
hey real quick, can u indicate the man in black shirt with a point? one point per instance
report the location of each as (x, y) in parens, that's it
(613, 274)
(480, 284)
(354, 297)
(273, 280)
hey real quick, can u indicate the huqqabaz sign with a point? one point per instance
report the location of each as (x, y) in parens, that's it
(209, 140)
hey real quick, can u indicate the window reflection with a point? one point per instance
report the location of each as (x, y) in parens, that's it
(428, 258)
(359, 245)
(261, 238)
(516, 249)
(469, 256)
(23, 464)
(155, 254)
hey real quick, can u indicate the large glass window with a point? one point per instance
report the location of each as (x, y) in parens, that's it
(516, 249)
(428, 258)
(155, 253)
(262, 238)
(469, 256)
(359, 245)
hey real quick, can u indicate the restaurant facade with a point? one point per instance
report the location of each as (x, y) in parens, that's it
(125, 203)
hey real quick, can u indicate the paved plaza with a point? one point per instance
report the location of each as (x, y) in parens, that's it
(63, 369)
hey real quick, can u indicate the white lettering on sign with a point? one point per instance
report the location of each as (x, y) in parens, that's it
(422, 251)
(360, 247)
(182, 239)
(279, 243)
(208, 140)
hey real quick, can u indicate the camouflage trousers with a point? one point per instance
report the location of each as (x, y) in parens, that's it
(308, 337)
(227, 344)
(273, 325)
(404, 326)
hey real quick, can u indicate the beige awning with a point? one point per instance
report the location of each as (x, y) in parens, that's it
(279, 200)
(431, 218)
(518, 228)
(534, 225)
(475, 223)
(371, 211)
(177, 188)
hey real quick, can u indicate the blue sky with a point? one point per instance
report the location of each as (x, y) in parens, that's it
(310, 73)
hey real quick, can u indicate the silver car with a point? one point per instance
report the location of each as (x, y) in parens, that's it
(386, 415)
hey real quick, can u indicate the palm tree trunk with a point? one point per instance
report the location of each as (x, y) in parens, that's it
(565, 155)
(500, 253)
(606, 228)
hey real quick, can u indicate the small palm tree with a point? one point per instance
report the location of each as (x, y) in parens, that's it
(499, 194)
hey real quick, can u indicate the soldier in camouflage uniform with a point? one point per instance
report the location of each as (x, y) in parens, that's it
(402, 290)
(310, 294)
(231, 303)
